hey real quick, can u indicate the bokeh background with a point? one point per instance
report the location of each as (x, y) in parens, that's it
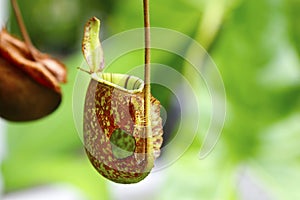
(256, 46)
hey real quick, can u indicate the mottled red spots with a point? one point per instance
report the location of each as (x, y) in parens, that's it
(106, 109)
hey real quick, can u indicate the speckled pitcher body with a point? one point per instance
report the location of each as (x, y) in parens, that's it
(114, 130)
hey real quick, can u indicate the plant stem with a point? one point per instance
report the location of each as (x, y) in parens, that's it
(22, 27)
(147, 88)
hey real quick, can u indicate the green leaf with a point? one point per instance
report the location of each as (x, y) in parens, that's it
(292, 16)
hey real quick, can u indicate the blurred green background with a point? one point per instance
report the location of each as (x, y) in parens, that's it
(256, 46)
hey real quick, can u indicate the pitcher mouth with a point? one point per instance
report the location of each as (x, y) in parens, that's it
(124, 82)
